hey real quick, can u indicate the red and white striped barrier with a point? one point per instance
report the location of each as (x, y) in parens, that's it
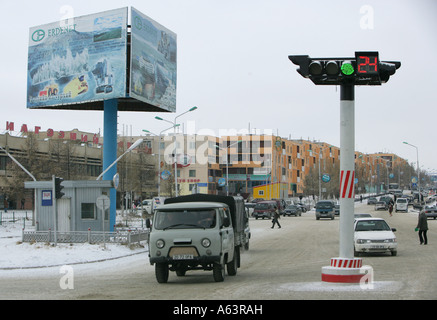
(345, 270)
(346, 263)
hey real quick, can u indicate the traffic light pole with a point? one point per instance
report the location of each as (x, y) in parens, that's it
(346, 268)
(55, 211)
(347, 169)
(363, 69)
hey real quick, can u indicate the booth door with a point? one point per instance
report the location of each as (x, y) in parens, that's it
(64, 215)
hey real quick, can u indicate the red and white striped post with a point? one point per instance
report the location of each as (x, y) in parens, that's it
(346, 268)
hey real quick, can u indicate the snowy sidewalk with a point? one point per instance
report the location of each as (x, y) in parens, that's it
(17, 255)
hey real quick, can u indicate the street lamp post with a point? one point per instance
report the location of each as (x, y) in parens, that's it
(159, 154)
(175, 162)
(418, 169)
(133, 146)
(227, 164)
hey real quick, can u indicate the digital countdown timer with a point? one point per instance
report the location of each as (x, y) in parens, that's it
(367, 63)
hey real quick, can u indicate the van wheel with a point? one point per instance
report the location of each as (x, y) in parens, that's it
(233, 265)
(161, 272)
(218, 272)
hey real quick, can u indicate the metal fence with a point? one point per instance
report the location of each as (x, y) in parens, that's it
(14, 216)
(127, 237)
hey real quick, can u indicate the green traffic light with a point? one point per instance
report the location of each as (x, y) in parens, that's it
(347, 68)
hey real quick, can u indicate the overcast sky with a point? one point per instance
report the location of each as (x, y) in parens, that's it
(233, 65)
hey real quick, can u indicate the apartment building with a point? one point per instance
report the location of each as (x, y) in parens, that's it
(263, 166)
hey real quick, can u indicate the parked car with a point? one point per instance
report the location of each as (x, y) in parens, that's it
(302, 206)
(431, 211)
(146, 206)
(292, 209)
(381, 205)
(374, 235)
(387, 200)
(264, 209)
(372, 200)
(401, 205)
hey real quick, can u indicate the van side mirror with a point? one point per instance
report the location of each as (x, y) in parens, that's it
(393, 229)
(148, 224)
(226, 222)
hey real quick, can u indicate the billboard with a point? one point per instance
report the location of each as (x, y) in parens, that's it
(153, 63)
(78, 60)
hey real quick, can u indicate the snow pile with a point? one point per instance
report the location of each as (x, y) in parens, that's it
(17, 255)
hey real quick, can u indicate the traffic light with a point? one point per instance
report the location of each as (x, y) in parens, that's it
(363, 69)
(58, 188)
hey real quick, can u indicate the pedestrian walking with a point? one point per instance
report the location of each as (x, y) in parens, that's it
(276, 217)
(422, 227)
(390, 209)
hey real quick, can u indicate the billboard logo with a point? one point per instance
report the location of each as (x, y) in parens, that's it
(38, 35)
(138, 23)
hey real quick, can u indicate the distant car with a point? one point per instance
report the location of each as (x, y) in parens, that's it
(431, 211)
(381, 205)
(325, 209)
(372, 200)
(292, 210)
(264, 209)
(387, 200)
(362, 215)
(373, 235)
(303, 207)
(146, 206)
(337, 209)
(401, 205)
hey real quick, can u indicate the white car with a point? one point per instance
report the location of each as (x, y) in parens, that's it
(401, 205)
(374, 235)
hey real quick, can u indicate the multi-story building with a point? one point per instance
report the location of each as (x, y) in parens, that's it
(263, 166)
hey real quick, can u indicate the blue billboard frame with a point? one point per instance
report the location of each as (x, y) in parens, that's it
(78, 60)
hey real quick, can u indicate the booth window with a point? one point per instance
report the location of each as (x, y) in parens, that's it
(88, 211)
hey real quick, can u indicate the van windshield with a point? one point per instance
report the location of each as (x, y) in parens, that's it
(185, 219)
(320, 205)
(262, 206)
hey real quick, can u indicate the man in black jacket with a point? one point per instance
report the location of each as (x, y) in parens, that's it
(422, 225)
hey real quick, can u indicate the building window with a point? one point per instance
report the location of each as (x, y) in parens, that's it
(192, 173)
(88, 211)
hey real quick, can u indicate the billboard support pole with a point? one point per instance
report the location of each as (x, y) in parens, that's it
(110, 152)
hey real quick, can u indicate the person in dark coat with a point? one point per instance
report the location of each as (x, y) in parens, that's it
(422, 226)
(276, 218)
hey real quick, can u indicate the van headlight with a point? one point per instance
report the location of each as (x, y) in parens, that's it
(160, 243)
(206, 242)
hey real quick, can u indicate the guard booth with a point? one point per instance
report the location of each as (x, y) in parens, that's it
(78, 210)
